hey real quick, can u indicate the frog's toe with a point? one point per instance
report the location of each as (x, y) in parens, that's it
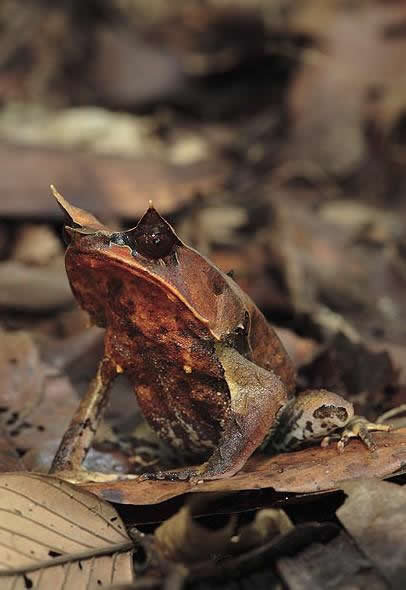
(181, 475)
(357, 427)
(192, 475)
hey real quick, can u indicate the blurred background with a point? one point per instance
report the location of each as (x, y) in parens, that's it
(271, 133)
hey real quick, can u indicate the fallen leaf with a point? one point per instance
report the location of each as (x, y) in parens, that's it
(267, 524)
(48, 286)
(301, 350)
(36, 245)
(53, 535)
(183, 539)
(36, 403)
(103, 184)
(262, 557)
(375, 515)
(228, 549)
(334, 565)
(331, 95)
(309, 470)
(325, 267)
(126, 71)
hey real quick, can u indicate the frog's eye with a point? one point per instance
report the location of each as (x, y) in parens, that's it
(157, 242)
(153, 237)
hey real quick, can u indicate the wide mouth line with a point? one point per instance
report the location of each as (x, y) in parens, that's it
(146, 275)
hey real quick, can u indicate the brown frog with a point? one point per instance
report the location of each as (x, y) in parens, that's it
(211, 377)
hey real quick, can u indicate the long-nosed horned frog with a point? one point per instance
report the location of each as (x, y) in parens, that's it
(211, 377)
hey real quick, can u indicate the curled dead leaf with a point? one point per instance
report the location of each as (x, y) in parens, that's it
(268, 523)
(184, 540)
(181, 538)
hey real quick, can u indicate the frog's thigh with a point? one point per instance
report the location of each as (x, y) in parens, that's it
(312, 415)
(257, 396)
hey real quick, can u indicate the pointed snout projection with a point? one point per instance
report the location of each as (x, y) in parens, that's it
(74, 216)
(153, 237)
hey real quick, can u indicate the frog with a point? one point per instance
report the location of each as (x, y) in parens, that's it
(211, 377)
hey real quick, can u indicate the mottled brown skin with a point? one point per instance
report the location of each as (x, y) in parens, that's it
(211, 376)
(180, 329)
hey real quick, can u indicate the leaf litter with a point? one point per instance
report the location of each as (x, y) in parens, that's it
(53, 535)
(322, 252)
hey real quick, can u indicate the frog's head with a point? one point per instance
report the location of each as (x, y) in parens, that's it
(151, 251)
(152, 239)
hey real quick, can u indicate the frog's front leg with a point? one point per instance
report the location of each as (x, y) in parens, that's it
(82, 429)
(319, 415)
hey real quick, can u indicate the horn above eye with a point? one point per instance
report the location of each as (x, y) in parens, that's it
(153, 237)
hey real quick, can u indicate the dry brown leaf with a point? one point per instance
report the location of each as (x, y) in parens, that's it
(336, 565)
(183, 539)
(301, 350)
(375, 515)
(54, 535)
(25, 287)
(330, 99)
(102, 184)
(267, 524)
(36, 245)
(36, 403)
(309, 470)
(326, 267)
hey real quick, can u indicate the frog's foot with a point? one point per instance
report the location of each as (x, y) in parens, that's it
(194, 475)
(190, 475)
(357, 427)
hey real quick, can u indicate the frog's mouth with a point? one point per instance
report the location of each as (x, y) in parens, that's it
(161, 273)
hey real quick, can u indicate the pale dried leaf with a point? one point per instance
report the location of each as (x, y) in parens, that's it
(34, 288)
(183, 539)
(329, 98)
(375, 515)
(121, 186)
(267, 524)
(36, 245)
(54, 535)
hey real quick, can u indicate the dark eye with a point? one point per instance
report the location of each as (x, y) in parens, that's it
(155, 243)
(152, 237)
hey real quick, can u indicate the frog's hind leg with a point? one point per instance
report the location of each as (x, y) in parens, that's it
(256, 397)
(319, 415)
